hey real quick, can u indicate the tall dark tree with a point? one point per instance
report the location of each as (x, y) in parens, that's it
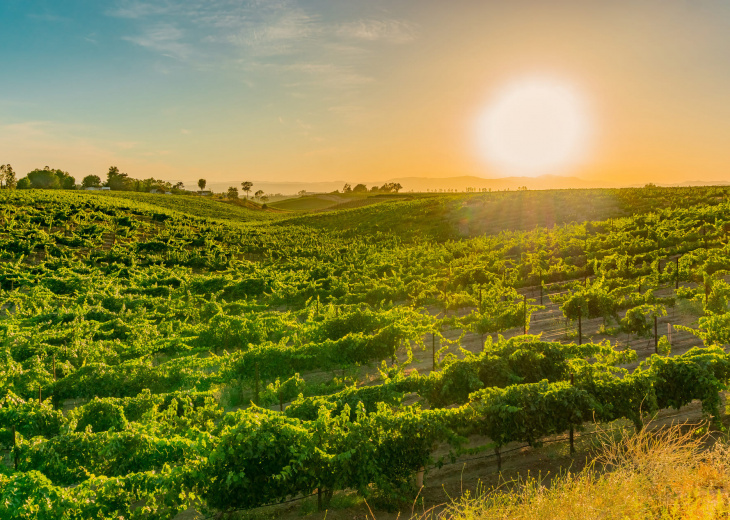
(117, 180)
(246, 186)
(202, 183)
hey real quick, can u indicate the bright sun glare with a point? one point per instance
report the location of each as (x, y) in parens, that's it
(533, 127)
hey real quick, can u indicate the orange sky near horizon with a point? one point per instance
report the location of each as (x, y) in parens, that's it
(314, 90)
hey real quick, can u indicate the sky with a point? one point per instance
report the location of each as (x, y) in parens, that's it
(356, 90)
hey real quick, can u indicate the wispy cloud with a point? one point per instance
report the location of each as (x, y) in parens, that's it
(327, 74)
(260, 27)
(391, 31)
(290, 26)
(281, 41)
(266, 31)
(164, 38)
(134, 9)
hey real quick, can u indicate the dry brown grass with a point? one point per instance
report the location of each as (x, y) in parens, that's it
(672, 473)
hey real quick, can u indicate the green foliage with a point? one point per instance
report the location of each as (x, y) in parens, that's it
(74, 457)
(664, 347)
(259, 460)
(700, 373)
(714, 329)
(91, 181)
(100, 416)
(7, 177)
(718, 297)
(153, 307)
(48, 178)
(29, 419)
(640, 320)
(594, 301)
(529, 412)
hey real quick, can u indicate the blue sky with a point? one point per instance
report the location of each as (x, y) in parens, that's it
(154, 78)
(353, 90)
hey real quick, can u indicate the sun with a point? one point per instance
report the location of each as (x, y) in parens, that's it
(534, 126)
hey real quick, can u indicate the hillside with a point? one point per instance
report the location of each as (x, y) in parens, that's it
(444, 217)
(308, 203)
(334, 202)
(193, 205)
(195, 359)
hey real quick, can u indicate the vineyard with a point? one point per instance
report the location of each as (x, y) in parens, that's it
(171, 356)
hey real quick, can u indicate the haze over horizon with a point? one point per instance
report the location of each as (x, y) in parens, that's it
(313, 91)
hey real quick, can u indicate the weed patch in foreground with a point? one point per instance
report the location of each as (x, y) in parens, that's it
(665, 474)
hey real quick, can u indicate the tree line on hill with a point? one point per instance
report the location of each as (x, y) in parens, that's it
(388, 187)
(232, 192)
(50, 178)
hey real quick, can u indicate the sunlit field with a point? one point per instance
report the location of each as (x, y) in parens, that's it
(162, 363)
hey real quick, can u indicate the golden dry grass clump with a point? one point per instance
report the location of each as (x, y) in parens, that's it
(672, 473)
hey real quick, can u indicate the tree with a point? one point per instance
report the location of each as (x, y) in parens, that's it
(202, 183)
(232, 193)
(179, 186)
(115, 179)
(245, 186)
(46, 178)
(24, 184)
(346, 189)
(390, 187)
(162, 186)
(302, 193)
(258, 194)
(43, 179)
(360, 188)
(67, 182)
(91, 181)
(7, 177)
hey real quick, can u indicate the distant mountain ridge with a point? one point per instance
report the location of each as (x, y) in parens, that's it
(545, 182)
